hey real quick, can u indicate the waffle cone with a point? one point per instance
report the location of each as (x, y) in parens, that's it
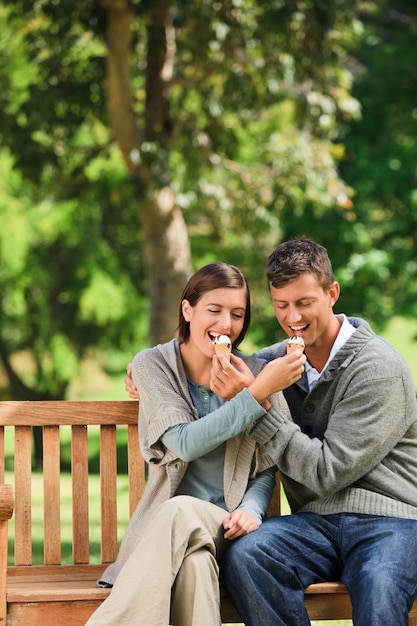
(223, 348)
(294, 346)
(295, 343)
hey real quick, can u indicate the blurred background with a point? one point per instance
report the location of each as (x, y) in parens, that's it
(140, 140)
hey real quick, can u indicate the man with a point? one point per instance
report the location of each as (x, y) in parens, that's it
(348, 463)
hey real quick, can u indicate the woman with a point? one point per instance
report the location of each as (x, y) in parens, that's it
(198, 449)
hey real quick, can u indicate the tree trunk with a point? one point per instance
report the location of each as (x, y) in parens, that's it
(166, 245)
(167, 256)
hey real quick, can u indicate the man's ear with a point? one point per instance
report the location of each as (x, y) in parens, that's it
(334, 293)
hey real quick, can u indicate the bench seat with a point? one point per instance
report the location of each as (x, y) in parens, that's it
(45, 596)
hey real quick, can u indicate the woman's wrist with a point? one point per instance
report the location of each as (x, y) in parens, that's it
(257, 391)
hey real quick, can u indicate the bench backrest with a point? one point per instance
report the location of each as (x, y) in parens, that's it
(76, 420)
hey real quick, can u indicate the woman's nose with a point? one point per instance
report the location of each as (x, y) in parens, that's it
(226, 321)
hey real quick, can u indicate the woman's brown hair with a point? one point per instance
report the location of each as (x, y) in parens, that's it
(213, 276)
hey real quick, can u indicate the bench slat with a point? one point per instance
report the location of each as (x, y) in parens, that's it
(135, 467)
(23, 501)
(80, 519)
(6, 512)
(108, 471)
(51, 613)
(62, 412)
(55, 590)
(2, 459)
(90, 572)
(51, 495)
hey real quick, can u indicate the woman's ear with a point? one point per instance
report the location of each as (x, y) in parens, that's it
(186, 309)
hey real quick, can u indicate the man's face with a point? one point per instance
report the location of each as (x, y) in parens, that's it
(303, 308)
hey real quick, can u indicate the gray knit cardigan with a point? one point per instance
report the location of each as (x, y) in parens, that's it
(351, 444)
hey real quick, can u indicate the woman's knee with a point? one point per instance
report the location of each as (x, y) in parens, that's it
(173, 507)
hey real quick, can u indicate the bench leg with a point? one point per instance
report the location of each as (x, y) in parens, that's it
(3, 570)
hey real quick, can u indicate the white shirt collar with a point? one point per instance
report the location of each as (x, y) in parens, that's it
(346, 330)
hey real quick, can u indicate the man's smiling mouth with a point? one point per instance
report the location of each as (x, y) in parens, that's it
(299, 329)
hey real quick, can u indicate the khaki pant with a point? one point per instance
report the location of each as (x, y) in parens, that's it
(173, 570)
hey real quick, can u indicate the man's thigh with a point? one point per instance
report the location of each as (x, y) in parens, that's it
(376, 547)
(305, 542)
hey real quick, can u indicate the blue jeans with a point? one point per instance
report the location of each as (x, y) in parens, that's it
(266, 571)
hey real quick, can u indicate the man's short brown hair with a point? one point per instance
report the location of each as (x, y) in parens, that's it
(296, 257)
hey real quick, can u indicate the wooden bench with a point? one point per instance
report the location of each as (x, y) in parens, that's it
(60, 592)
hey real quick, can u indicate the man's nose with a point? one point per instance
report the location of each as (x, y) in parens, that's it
(293, 315)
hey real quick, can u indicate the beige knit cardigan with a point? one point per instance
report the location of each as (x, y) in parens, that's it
(165, 401)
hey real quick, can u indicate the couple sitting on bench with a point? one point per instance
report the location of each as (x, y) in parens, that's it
(339, 423)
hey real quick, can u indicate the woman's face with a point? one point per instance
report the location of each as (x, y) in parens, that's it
(218, 312)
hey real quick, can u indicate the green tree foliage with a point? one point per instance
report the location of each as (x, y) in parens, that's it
(125, 121)
(68, 282)
(380, 163)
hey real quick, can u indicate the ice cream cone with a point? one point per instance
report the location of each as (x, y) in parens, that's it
(222, 345)
(295, 343)
(223, 348)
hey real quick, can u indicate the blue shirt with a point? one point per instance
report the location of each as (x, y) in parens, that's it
(204, 475)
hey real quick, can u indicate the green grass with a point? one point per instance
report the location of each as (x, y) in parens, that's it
(402, 334)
